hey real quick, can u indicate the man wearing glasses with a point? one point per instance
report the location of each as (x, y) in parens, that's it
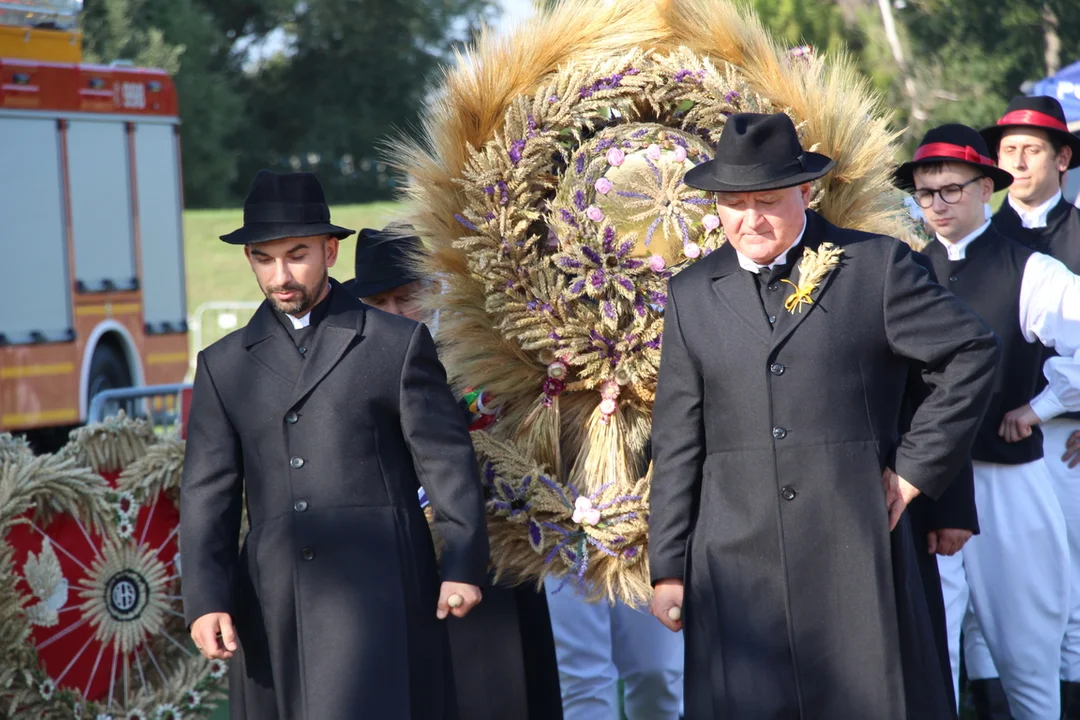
(1015, 574)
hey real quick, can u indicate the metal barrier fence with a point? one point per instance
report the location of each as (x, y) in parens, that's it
(212, 321)
(160, 405)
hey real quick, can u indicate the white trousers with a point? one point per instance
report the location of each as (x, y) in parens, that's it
(1012, 582)
(597, 644)
(1067, 488)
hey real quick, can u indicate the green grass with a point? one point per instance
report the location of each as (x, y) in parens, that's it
(219, 271)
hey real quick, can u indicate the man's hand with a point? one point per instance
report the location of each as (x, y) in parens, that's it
(898, 493)
(206, 631)
(1017, 424)
(668, 594)
(1072, 450)
(457, 599)
(947, 542)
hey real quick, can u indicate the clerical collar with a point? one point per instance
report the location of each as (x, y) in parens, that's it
(1036, 217)
(958, 250)
(316, 313)
(747, 264)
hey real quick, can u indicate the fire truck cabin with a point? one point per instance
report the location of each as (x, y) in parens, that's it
(90, 223)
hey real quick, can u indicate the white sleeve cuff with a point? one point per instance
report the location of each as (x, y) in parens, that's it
(1047, 406)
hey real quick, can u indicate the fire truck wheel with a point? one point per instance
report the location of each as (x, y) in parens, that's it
(108, 370)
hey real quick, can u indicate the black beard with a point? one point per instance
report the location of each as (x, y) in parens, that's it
(305, 300)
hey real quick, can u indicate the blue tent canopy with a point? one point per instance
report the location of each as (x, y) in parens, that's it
(1065, 86)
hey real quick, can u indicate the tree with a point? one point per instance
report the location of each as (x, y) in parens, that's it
(179, 37)
(357, 71)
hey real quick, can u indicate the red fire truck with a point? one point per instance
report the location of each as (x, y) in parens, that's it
(90, 223)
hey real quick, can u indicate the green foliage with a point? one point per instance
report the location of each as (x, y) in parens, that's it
(343, 75)
(348, 74)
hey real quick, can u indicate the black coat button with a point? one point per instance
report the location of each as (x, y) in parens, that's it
(779, 433)
(774, 288)
(777, 369)
(308, 553)
(300, 505)
(772, 319)
(291, 418)
(297, 462)
(788, 493)
(953, 278)
(302, 349)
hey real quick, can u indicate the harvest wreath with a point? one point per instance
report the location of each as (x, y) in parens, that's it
(90, 622)
(548, 190)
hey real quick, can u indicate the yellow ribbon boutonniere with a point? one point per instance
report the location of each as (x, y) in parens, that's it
(800, 295)
(813, 267)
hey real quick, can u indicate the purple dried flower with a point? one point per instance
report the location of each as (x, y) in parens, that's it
(682, 75)
(658, 298)
(598, 278)
(625, 283)
(536, 533)
(579, 163)
(576, 289)
(609, 240)
(567, 217)
(489, 189)
(592, 255)
(609, 310)
(461, 219)
(731, 96)
(516, 148)
(604, 144)
(579, 199)
(553, 386)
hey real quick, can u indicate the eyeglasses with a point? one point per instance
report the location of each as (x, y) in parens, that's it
(950, 194)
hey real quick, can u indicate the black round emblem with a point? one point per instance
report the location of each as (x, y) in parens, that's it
(126, 594)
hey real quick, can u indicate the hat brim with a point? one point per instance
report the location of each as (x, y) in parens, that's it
(703, 177)
(266, 232)
(992, 136)
(904, 176)
(374, 287)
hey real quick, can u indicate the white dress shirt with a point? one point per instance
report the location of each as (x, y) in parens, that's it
(300, 322)
(747, 264)
(1036, 217)
(1050, 314)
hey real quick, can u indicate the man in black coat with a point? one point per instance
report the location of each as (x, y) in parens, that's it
(503, 652)
(318, 416)
(780, 466)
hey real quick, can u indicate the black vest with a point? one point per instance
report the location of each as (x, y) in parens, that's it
(988, 280)
(1059, 239)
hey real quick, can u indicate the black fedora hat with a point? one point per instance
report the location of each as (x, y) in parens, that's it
(1041, 112)
(285, 205)
(383, 260)
(758, 152)
(952, 143)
